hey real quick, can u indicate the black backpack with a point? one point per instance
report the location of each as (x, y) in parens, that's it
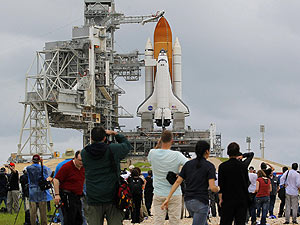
(136, 186)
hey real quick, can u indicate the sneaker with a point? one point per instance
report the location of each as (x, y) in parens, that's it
(286, 222)
(295, 222)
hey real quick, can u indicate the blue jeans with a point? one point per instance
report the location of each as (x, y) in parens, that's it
(252, 207)
(272, 203)
(263, 202)
(199, 211)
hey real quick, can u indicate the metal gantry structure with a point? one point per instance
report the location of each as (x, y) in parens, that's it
(71, 84)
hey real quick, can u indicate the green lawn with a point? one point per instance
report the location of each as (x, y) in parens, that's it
(9, 219)
(144, 166)
(223, 159)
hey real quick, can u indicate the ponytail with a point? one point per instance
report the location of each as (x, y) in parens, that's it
(200, 149)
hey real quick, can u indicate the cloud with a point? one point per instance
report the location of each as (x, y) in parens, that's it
(240, 65)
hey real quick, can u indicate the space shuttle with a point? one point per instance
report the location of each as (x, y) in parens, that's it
(163, 82)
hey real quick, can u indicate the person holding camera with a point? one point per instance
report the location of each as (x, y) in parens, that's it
(13, 189)
(102, 176)
(37, 198)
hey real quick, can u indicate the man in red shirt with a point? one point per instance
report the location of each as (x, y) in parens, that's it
(68, 187)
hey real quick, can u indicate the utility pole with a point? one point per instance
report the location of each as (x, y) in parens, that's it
(262, 141)
(248, 140)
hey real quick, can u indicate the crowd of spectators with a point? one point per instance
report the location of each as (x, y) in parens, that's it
(85, 186)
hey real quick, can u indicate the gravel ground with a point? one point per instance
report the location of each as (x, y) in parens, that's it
(216, 220)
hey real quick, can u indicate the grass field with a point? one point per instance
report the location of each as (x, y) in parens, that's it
(144, 166)
(223, 159)
(9, 219)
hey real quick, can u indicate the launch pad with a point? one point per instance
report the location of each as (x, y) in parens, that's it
(71, 84)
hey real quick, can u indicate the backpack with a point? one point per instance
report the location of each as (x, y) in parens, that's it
(136, 186)
(124, 196)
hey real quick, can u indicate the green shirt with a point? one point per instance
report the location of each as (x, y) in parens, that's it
(101, 178)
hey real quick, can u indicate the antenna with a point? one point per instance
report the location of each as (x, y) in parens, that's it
(262, 141)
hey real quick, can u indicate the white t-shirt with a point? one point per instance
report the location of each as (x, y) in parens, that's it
(252, 186)
(162, 161)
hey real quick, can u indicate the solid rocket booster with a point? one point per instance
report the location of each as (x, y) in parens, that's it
(163, 90)
(148, 69)
(177, 78)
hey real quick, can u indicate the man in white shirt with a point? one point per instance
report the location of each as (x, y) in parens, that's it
(291, 180)
(251, 190)
(162, 161)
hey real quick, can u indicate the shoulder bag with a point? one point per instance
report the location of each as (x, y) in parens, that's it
(43, 183)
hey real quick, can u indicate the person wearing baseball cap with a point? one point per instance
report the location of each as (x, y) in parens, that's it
(13, 189)
(37, 197)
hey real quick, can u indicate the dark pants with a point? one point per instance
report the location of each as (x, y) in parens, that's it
(136, 209)
(71, 208)
(213, 197)
(263, 203)
(148, 201)
(252, 207)
(237, 212)
(281, 207)
(272, 203)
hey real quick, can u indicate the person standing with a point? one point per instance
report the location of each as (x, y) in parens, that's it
(281, 193)
(136, 188)
(274, 182)
(13, 189)
(68, 156)
(163, 160)
(199, 175)
(233, 181)
(263, 189)
(68, 187)
(3, 187)
(252, 193)
(291, 180)
(25, 195)
(148, 192)
(101, 177)
(37, 198)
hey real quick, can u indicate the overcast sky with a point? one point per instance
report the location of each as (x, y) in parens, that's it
(240, 66)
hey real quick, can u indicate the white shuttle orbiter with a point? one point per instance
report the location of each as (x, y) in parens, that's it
(163, 105)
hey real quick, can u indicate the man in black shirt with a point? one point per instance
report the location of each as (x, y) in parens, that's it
(233, 181)
(148, 192)
(25, 195)
(268, 171)
(3, 187)
(13, 189)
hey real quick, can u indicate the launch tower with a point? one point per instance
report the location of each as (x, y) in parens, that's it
(70, 84)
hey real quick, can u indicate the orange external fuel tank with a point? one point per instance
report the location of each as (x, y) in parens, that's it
(163, 40)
